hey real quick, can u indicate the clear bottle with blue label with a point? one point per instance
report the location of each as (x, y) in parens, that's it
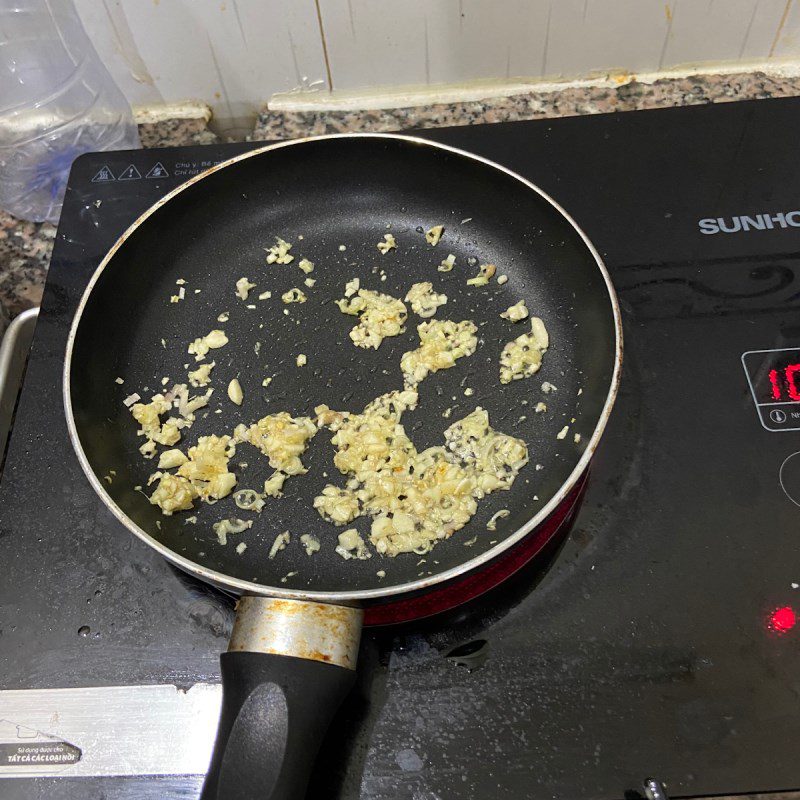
(57, 101)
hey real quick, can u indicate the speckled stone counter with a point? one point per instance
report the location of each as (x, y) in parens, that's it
(571, 101)
(25, 247)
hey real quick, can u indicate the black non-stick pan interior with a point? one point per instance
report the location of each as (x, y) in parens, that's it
(340, 195)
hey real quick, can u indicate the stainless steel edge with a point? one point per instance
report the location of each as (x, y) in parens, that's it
(108, 730)
(364, 595)
(298, 628)
(14, 351)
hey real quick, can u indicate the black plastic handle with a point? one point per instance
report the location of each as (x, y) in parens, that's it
(275, 712)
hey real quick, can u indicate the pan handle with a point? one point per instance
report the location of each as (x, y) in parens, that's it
(289, 665)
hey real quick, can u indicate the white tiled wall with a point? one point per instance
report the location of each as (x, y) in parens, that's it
(234, 54)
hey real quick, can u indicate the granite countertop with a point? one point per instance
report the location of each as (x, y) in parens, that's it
(25, 247)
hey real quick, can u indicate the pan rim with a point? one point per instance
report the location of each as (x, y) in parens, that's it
(243, 587)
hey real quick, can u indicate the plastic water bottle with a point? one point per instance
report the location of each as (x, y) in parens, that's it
(57, 100)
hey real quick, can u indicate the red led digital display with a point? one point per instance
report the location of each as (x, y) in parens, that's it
(791, 381)
(784, 383)
(775, 382)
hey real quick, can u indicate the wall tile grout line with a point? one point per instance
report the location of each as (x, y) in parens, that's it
(324, 47)
(778, 32)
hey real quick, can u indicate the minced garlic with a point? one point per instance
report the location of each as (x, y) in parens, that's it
(516, 313)
(310, 543)
(301, 360)
(173, 493)
(423, 300)
(186, 405)
(441, 343)
(273, 486)
(281, 540)
(148, 416)
(447, 264)
(211, 341)
(351, 545)
(336, 505)
(294, 296)
(380, 316)
(434, 235)
(170, 459)
(280, 437)
(225, 527)
(492, 523)
(522, 357)
(415, 498)
(388, 244)
(306, 265)
(279, 252)
(207, 467)
(243, 287)
(485, 273)
(202, 375)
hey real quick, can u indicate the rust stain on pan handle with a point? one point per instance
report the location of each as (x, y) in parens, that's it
(315, 631)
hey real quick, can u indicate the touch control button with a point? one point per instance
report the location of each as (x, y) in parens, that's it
(789, 477)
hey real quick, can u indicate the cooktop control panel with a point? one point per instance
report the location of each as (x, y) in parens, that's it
(774, 379)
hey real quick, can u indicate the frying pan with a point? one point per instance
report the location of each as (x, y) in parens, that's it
(294, 645)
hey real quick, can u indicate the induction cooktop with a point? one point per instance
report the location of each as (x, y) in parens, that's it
(658, 640)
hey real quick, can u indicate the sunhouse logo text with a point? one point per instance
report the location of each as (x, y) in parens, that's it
(759, 222)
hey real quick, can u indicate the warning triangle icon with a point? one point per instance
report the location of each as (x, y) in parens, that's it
(130, 173)
(157, 171)
(104, 175)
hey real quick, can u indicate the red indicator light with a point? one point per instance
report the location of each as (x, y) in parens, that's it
(783, 619)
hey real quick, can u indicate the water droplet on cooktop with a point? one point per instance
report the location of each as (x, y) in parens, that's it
(84, 630)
